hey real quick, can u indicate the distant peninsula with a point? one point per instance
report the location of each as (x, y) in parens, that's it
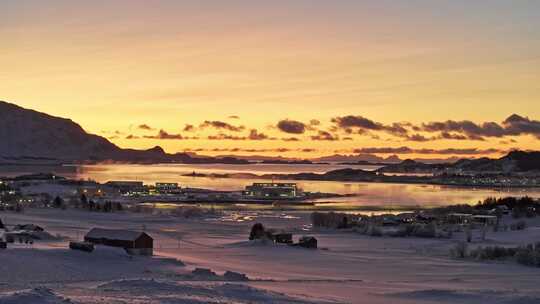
(516, 169)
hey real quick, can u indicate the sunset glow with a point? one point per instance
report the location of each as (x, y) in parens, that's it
(375, 77)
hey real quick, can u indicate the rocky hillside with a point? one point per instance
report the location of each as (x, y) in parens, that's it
(31, 136)
(515, 161)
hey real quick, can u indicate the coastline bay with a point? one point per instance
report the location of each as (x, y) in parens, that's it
(390, 195)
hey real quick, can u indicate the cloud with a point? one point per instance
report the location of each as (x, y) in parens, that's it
(418, 137)
(351, 123)
(216, 124)
(518, 125)
(466, 127)
(291, 126)
(249, 150)
(448, 135)
(145, 127)
(385, 150)
(314, 122)
(514, 125)
(131, 136)
(255, 135)
(162, 134)
(234, 117)
(324, 135)
(408, 150)
(222, 136)
(290, 139)
(282, 150)
(189, 128)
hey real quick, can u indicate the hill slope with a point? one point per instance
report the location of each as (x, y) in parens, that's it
(28, 135)
(514, 161)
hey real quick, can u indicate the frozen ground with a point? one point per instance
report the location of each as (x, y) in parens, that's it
(350, 268)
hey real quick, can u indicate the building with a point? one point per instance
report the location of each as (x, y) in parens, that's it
(127, 186)
(485, 220)
(272, 191)
(459, 218)
(134, 242)
(167, 187)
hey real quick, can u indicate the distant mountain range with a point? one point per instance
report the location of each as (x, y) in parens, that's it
(31, 137)
(514, 161)
(352, 159)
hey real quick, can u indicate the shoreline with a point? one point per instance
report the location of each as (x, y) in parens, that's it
(403, 179)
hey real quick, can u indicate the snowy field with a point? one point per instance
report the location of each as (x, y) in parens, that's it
(347, 268)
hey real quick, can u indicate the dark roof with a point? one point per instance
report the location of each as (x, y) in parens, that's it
(114, 234)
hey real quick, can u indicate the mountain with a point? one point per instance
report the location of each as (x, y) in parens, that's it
(513, 162)
(31, 136)
(357, 158)
(347, 174)
(262, 158)
(365, 159)
(412, 166)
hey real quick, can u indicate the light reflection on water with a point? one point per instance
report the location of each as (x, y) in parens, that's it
(368, 194)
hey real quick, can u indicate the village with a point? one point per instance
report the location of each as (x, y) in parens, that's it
(110, 233)
(50, 189)
(56, 192)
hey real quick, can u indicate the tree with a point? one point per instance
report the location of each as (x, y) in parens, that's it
(58, 202)
(257, 232)
(84, 201)
(91, 205)
(18, 208)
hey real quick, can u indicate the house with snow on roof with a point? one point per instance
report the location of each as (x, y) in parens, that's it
(134, 242)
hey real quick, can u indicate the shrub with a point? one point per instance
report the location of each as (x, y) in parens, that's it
(375, 231)
(333, 219)
(492, 253)
(459, 250)
(419, 230)
(519, 225)
(528, 255)
(403, 231)
(425, 230)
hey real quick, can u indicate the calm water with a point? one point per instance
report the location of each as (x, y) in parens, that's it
(368, 194)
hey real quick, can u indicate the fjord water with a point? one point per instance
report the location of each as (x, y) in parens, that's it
(367, 194)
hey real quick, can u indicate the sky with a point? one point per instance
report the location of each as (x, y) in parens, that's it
(418, 78)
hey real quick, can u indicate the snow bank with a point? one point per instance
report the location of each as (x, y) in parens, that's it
(194, 292)
(138, 285)
(466, 296)
(44, 235)
(36, 295)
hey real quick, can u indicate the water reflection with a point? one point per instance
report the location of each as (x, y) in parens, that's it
(368, 194)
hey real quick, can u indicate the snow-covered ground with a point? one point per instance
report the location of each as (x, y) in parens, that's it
(348, 267)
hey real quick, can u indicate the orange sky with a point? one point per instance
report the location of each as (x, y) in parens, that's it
(112, 66)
